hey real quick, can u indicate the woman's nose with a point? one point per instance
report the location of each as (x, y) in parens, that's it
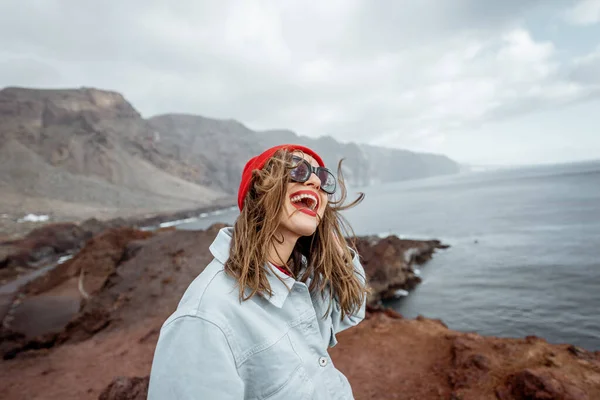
(314, 181)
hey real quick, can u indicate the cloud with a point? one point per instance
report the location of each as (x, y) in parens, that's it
(586, 69)
(488, 80)
(585, 12)
(29, 71)
(406, 74)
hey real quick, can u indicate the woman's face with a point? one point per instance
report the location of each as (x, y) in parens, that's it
(304, 204)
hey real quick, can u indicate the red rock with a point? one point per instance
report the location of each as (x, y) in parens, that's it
(389, 263)
(540, 384)
(49, 308)
(123, 388)
(385, 356)
(41, 244)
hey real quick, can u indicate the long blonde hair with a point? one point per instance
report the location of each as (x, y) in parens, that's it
(255, 230)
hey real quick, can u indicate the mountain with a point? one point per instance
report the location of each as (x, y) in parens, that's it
(219, 149)
(83, 150)
(224, 146)
(73, 151)
(365, 164)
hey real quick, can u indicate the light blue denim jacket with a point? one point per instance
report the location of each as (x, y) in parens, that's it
(214, 347)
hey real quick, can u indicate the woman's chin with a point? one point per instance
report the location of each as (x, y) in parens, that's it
(302, 227)
(308, 232)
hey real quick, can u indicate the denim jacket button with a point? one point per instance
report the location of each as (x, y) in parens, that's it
(322, 361)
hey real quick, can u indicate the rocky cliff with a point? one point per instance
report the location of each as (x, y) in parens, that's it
(199, 140)
(84, 151)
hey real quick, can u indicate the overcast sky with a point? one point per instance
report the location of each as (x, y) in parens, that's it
(483, 81)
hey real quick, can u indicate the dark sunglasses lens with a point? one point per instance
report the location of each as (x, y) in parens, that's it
(301, 172)
(328, 182)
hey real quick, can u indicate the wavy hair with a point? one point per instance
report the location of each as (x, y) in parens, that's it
(255, 230)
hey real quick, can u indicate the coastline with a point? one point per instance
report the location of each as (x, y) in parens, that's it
(108, 301)
(18, 223)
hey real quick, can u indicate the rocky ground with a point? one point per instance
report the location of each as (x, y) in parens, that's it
(87, 328)
(388, 357)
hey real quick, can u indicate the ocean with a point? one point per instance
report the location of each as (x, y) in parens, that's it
(525, 248)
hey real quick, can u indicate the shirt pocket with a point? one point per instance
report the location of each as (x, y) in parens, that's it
(276, 372)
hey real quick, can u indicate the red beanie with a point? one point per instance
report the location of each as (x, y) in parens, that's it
(259, 161)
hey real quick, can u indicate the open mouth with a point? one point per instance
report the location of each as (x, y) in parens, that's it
(305, 201)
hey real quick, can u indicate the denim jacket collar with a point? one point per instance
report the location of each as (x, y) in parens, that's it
(220, 250)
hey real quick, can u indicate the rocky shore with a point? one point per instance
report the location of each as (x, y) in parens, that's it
(42, 244)
(86, 329)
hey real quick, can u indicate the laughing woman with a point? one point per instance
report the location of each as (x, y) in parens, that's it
(257, 322)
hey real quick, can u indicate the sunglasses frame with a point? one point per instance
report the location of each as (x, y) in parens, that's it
(296, 161)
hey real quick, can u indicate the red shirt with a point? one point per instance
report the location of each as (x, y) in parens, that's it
(285, 271)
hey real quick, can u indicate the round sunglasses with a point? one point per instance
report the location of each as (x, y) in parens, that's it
(302, 171)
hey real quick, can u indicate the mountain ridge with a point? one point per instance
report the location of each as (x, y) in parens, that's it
(168, 160)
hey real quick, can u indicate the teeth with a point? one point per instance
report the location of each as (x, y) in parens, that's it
(313, 199)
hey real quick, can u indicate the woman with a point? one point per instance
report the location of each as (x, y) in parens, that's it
(257, 322)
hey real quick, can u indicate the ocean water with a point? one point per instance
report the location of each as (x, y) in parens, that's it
(525, 255)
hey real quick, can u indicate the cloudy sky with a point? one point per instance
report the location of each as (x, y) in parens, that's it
(483, 81)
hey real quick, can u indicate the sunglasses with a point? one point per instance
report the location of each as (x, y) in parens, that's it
(302, 171)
